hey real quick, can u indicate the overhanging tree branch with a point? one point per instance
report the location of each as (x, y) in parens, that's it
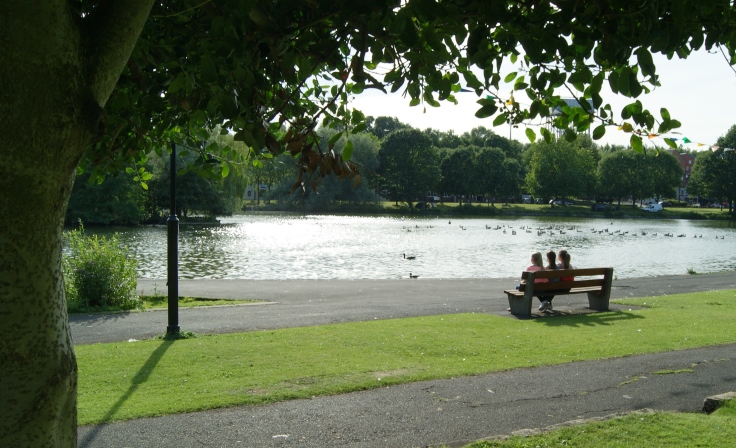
(109, 34)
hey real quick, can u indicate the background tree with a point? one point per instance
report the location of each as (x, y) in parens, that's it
(486, 138)
(408, 165)
(119, 200)
(333, 191)
(87, 81)
(559, 169)
(713, 177)
(664, 173)
(512, 178)
(195, 195)
(640, 182)
(587, 145)
(382, 126)
(511, 148)
(460, 173)
(490, 165)
(442, 139)
(616, 173)
(629, 174)
(714, 173)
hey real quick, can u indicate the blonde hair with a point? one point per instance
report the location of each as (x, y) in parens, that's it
(537, 260)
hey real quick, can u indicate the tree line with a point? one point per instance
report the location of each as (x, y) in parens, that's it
(125, 200)
(404, 164)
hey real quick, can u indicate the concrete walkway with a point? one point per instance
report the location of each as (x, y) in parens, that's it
(429, 413)
(298, 303)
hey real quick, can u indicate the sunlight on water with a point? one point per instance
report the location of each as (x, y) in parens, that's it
(351, 247)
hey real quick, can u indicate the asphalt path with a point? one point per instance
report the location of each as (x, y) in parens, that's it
(451, 412)
(297, 303)
(432, 413)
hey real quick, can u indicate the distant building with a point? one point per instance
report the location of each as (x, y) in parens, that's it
(686, 163)
(556, 111)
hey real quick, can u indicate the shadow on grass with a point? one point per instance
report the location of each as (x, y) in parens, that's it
(595, 319)
(139, 378)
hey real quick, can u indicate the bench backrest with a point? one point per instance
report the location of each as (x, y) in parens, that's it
(605, 274)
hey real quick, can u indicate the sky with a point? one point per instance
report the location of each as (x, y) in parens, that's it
(699, 91)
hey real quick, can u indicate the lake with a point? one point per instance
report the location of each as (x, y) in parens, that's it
(295, 246)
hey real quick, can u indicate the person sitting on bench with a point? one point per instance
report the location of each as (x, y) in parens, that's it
(564, 263)
(546, 300)
(537, 265)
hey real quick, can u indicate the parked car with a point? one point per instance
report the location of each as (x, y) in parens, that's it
(653, 208)
(599, 207)
(559, 202)
(665, 203)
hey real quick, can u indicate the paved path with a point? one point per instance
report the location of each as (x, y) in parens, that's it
(316, 302)
(443, 411)
(418, 414)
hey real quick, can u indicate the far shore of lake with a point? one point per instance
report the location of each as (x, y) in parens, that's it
(581, 209)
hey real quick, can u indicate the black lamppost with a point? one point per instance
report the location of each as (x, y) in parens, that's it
(173, 251)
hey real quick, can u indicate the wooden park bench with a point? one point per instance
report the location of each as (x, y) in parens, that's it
(596, 283)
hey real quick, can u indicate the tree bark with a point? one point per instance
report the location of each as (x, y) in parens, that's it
(50, 113)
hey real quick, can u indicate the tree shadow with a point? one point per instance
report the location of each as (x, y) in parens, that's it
(585, 319)
(141, 377)
(97, 318)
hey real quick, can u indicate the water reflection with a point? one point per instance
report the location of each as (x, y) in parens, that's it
(350, 247)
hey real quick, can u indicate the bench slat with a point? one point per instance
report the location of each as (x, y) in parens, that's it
(517, 293)
(558, 273)
(546, 286)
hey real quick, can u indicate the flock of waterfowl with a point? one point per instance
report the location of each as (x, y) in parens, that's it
(558, 230)
(554, 230)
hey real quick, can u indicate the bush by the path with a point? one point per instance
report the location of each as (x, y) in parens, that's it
(98, 274)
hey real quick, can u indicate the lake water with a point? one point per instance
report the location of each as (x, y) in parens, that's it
(357, 247)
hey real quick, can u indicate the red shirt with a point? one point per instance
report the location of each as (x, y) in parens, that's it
(534, 268)
(566, 279)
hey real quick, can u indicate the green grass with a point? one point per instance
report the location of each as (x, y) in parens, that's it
(670, 429)
(159, 302)
(671, 372)
(579, 209)
(155, 377)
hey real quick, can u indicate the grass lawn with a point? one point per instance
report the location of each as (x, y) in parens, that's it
(155, 377)
(580, 209)
(670, 429)
(162, 302)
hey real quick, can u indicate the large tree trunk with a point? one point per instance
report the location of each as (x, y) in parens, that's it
(52, 88)
(38, 377)
(46, 115)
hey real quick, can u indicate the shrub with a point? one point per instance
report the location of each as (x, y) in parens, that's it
(98, 274)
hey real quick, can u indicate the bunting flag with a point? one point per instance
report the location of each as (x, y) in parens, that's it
(683, 139)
